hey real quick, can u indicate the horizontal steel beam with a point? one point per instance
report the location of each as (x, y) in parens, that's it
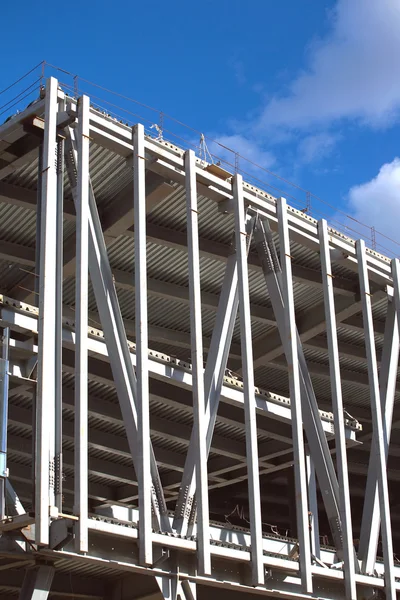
(23, 255)
(161, 366)
(303, 227)
(319, 370)
(310, 324)
(23, 473)
(346, 350)
(113, 445)
(275, 559)
(16, 195)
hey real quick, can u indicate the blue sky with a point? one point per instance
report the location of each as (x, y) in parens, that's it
(310, 89)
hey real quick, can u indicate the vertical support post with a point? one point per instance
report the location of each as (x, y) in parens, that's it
(291, 494)
(313, 507)
(58, 323)
(38, 224)
(248, 385)
(142, 373)
(44, 455)
(378, 441)
(337, 406)
(295, 398)
(81, 328)
(196, 338)
(36, 301)
(4, 421)
(371, 521)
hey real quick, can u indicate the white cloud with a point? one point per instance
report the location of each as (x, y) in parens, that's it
(377, 203)
(313, 148)
(352, 73)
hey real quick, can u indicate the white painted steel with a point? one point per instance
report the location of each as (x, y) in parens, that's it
(142, 371)
(116, 346)
(378, 446)
(295, 406)
(46, 383)
(337, 405)
(370, 524)
(313, 507)
(196, 335)
(248, 385)
(81, 328)
(58, 322)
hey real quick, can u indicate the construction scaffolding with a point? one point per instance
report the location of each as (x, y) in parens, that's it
(199, 382)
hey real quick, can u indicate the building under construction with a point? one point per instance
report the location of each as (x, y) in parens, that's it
(199, 383)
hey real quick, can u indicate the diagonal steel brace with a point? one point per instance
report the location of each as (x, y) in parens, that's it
(114, 333)
(217, 359)
(319, 449)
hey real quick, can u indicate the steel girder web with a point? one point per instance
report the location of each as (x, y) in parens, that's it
(114, 332)
(319, 449)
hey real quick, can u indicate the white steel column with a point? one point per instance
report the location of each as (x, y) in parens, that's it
(378, 442)
(196, 337)
(81, 328)
(58, 325)
(295, 398)
(313, 507)
(142, 372)
(337, 407)
(248, 385)
(44, 489)
(371, 521)
(4, 368)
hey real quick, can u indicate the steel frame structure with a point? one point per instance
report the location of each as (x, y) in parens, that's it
(156, 523)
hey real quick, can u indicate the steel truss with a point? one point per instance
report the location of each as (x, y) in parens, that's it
(184, 550)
